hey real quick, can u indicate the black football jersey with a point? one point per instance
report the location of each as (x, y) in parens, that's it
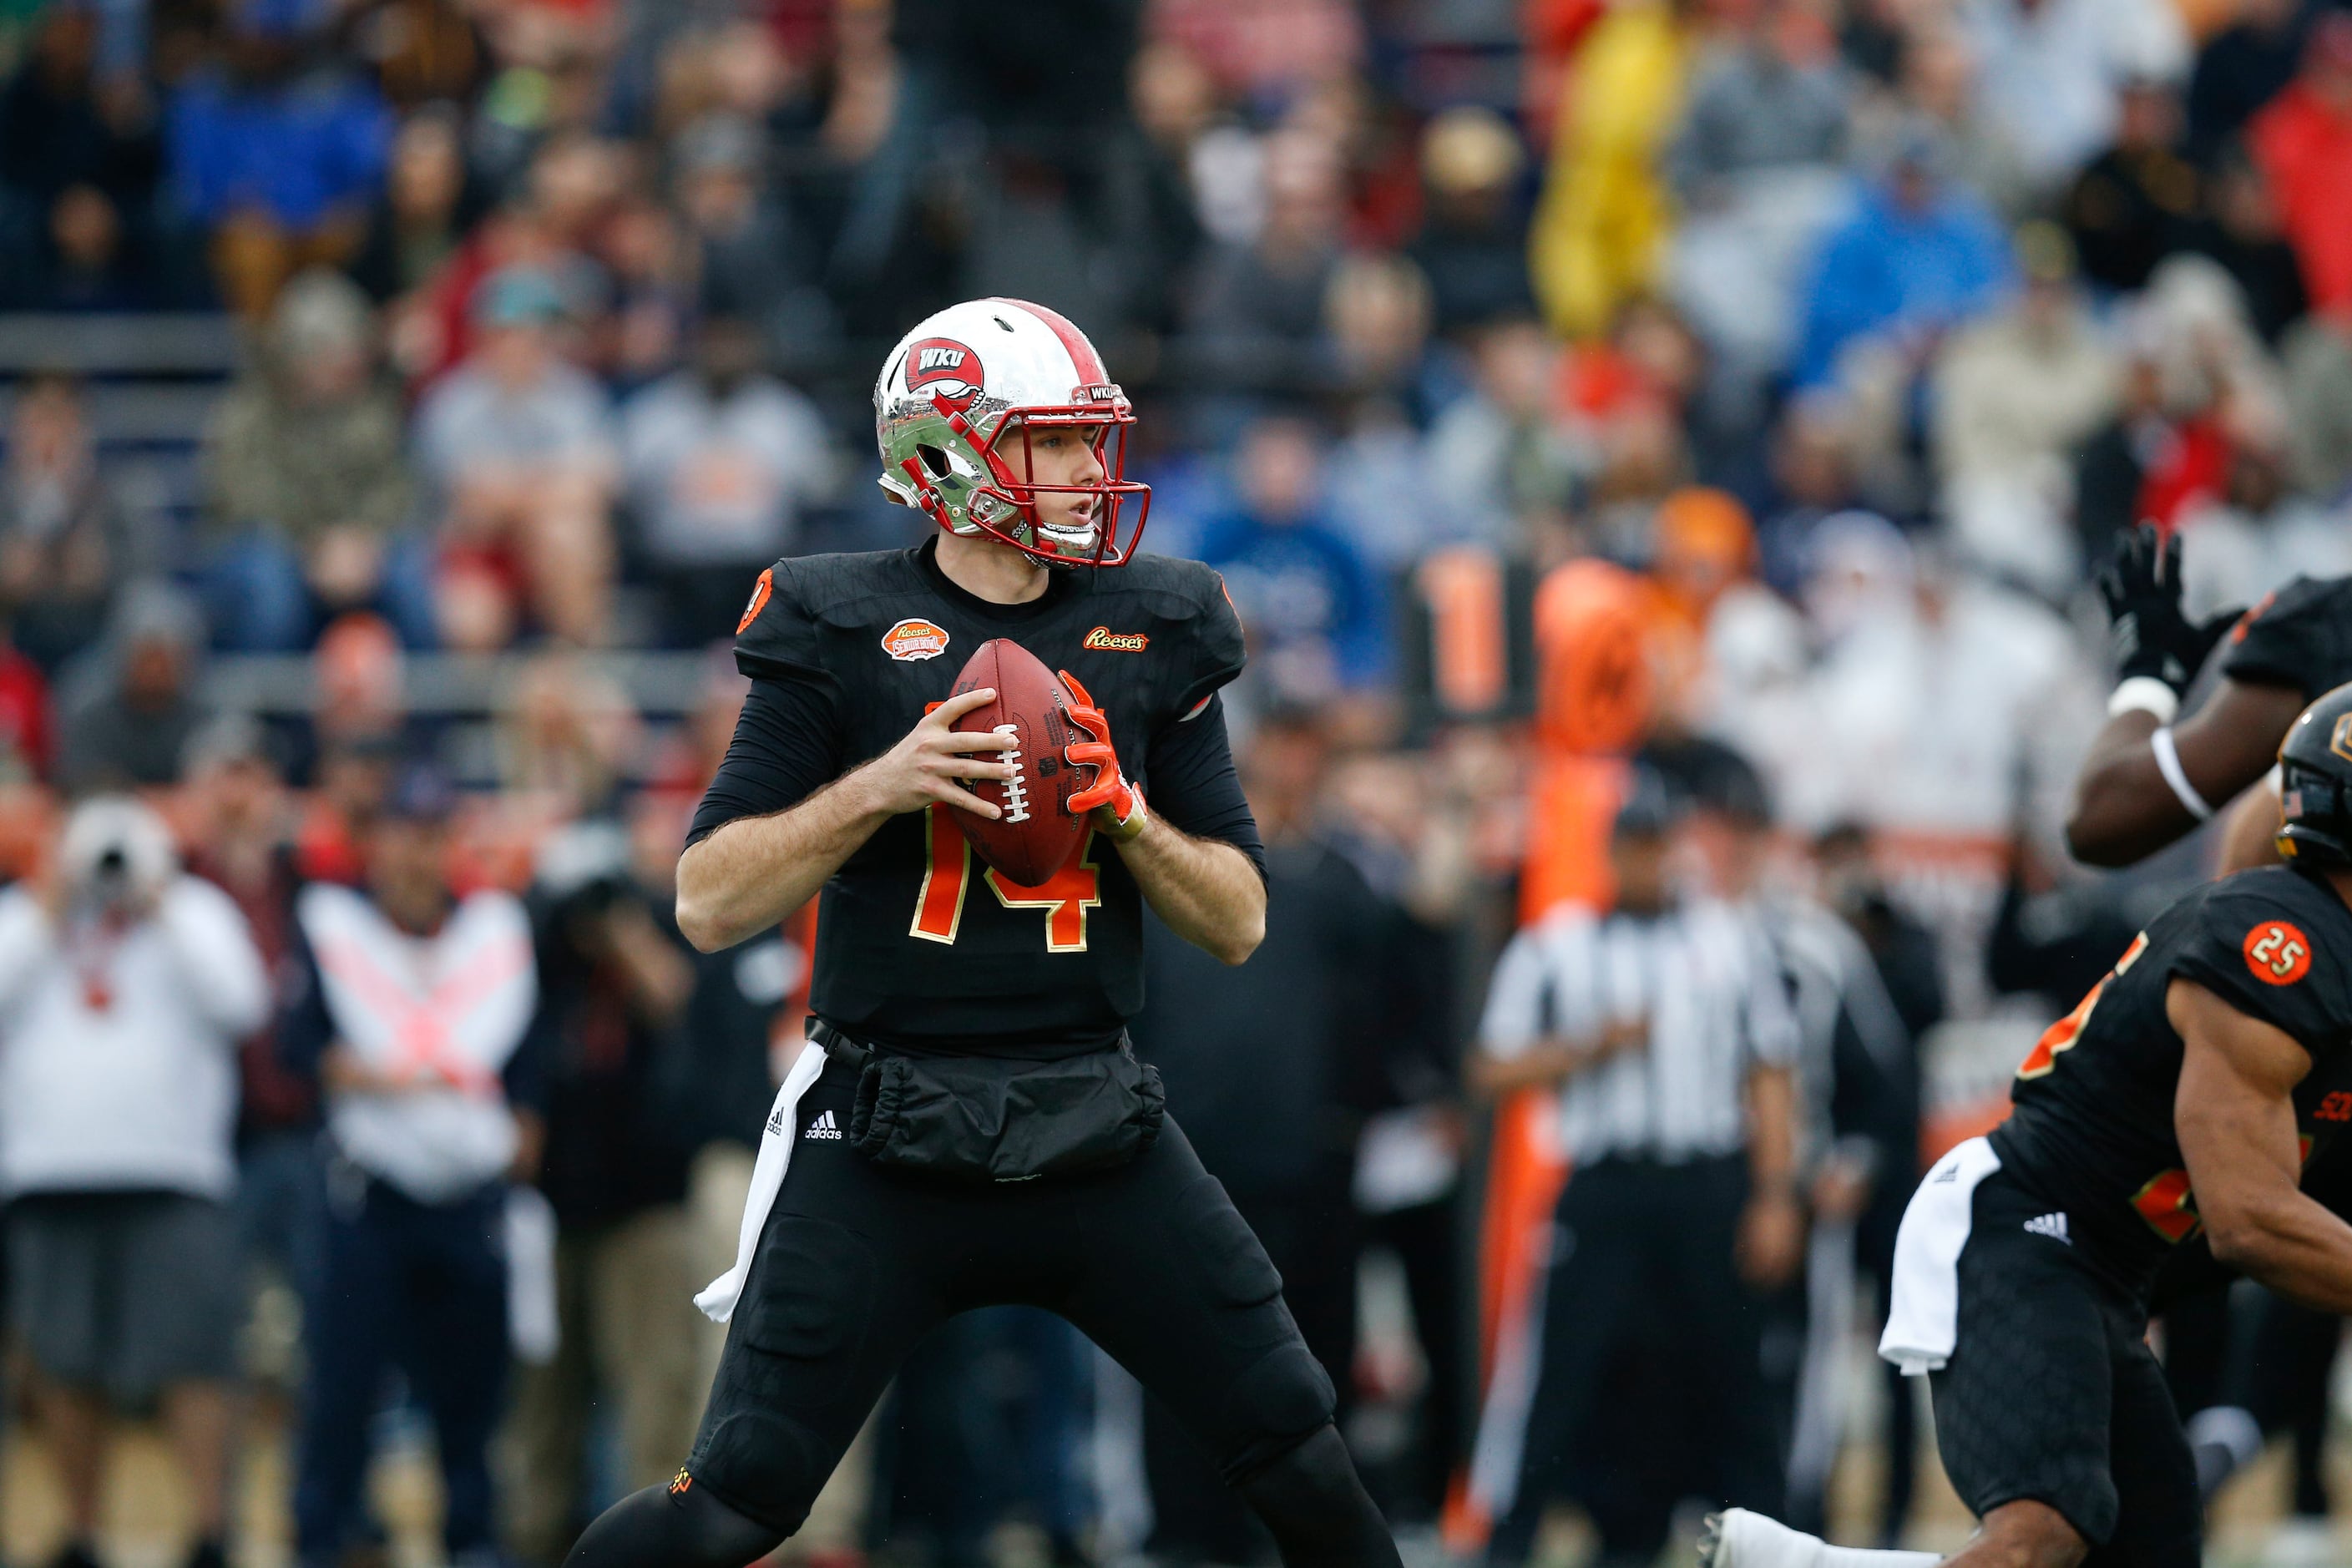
(2092, 1129)
(919, 942)
(2300, 637)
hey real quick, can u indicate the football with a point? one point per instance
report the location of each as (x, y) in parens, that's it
(1037, 834)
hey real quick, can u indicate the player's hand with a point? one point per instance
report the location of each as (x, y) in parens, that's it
(935, 758)
(1117, 804)
(2150, 634)
(1771, 1238)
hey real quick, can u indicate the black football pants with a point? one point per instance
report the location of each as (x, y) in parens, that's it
(857, 1263)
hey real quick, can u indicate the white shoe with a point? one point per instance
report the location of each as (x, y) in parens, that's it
(1738, 1539)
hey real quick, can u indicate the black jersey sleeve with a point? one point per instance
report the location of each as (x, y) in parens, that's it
(1193, 784)
(2300, 637)
(2264, 944)
(777, 637)
(787, 745)
(1217, 652)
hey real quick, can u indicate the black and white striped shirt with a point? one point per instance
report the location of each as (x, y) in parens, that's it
(1702, 974)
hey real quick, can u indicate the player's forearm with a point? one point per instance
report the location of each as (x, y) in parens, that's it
(2290, 1243)
(1203, 888)
(2122, 810)
(2125, 808)
(755, 870)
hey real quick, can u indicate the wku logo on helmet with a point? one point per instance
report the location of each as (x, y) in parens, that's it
(934, 360)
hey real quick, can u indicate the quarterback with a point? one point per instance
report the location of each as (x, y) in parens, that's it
(980, 1021)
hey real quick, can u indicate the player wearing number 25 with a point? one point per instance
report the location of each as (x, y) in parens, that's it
(969, 1126)
(2177, 1106)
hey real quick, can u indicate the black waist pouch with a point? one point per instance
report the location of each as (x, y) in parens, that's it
(987, 1118)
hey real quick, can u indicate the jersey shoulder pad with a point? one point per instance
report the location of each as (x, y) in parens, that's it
(1189, 602)
(777, 637)
(2299, 637)
(2277, 946)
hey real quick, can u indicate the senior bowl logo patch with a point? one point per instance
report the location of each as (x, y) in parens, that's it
(760, 592)
(910, 640)
(945, 363)
(2278, 952)
(1102, 639)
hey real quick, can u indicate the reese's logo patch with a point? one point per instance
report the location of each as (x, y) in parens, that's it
(912, 639)
(2278, 952)
(1102, 639)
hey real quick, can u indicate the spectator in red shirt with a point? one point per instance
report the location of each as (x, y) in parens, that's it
(24, 719)
(2304, 143)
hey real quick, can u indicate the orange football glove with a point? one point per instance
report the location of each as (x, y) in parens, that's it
(1118, 803)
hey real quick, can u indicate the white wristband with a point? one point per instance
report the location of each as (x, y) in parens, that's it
(2145, 694)
(2167, 763)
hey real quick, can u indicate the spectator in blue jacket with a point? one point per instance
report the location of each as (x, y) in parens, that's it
(1316, 615)
(274, 162)
(1919, 255)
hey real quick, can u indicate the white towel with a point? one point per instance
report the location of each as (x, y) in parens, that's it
(534, 1322)
(718, 1298)
(1923, 1318)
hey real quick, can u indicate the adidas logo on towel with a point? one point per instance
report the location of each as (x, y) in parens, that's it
(776, 1122)
(826, 1127)
(2053, 1226)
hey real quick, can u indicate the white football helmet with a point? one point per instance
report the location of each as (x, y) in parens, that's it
(952, 409)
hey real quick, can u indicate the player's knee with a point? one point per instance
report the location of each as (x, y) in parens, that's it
(2027, 1534)
(675, 1526)
(1279, 1401)
(1316, 1509)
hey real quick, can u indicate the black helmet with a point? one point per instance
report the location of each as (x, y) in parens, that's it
(2316, 784)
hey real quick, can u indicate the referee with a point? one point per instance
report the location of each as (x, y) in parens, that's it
(1667, 1029)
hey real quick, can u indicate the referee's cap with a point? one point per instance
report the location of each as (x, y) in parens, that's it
(1650, 809)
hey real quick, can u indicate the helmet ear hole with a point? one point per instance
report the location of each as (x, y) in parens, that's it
(935, 460)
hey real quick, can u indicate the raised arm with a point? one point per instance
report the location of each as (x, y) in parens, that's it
(753, 871)
(2145, 782)
(206, 935)
(2235, 1118)
(2125, 810)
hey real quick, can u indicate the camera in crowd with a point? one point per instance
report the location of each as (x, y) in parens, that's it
(116, 857)
(583, 874)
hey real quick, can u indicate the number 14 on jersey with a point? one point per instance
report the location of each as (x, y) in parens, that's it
(1065, 897)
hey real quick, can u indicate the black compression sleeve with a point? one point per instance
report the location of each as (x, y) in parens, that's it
(1190, 780)
(787, 745)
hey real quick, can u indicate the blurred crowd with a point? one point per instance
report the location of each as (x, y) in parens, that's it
(1664, 438)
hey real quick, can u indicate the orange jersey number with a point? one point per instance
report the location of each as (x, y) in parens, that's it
(1065, 896)
(2063, 1034)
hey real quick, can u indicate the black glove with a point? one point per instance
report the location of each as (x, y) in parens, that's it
(2150, 634)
